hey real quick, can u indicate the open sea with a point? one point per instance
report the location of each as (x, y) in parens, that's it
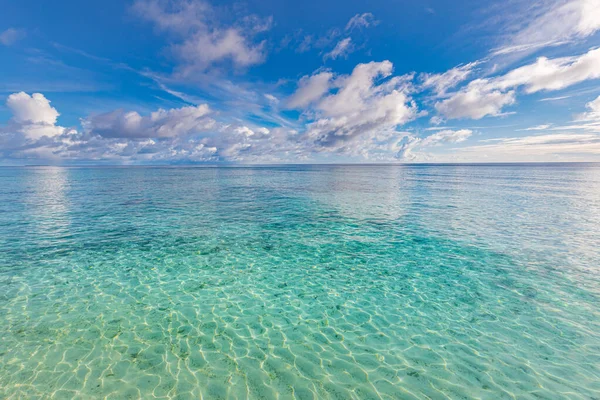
(300, 282)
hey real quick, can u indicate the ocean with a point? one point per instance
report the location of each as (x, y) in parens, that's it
(305, 282)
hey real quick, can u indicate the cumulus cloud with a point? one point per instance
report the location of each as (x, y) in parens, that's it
(562, 22)
(204, 42)
(483, 97)
(187, 134)
(477, 100)
(410, 145)
(33, 116)
(359, 21)
(369, 101)
(310, 89)
(341, 49)
(159, 124)
(34, 109)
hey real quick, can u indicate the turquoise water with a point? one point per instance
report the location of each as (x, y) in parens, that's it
(312, 282)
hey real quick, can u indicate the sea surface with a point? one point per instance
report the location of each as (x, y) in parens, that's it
(305, 282)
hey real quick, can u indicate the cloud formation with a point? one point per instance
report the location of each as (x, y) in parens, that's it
(593, 113)
(341, 49)
(203, 41)
(562, 22)
(488, 96)
(186, 134)
(557, 147)
(159, 124)
(310, 89)
(33, 116)
(360, 21)
(11, 36)
(440, 83)
(409, 149)
(368, 101)
(477, 100)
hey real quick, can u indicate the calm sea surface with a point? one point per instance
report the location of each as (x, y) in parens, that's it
(307, 282)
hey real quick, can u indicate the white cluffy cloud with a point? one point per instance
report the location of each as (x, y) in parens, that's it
(482, 97)
(310, 89)
(159, 124)
(33, 116)
(204, 41)
(478, 99)
(186, 134)
(367, 103)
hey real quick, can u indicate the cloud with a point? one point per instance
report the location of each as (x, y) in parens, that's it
(33, 116)
(368, 102)
(475, 101)
(272, 99)
(538, 128)
(446, 136)
(34, 109)
(310, 89)
(555, 98)
(159, 124)
(588, 121)
(11, 36)
(482, 97)
(360, 21)
(305, 44)
(551, 147)
(412, 143)
(593, 113)
(563, 146)
(341, 49)
(203, 41)
(553, 74)
(440, 83)
(562, 22)
(186, 134)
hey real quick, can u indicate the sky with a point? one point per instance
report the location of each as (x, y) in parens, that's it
(265, 81)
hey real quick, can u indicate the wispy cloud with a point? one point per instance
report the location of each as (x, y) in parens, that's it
(555, 98)
(440, 83)
(341, 49)
(360, 21)
(537, 128)
(412, 146)
(551, 24)
(11, 36)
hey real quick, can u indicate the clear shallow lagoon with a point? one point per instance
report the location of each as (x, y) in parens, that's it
(308, 282)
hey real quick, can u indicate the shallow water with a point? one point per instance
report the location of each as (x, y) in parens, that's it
(311, 282)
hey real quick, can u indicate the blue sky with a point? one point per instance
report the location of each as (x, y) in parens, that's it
(190, 81)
